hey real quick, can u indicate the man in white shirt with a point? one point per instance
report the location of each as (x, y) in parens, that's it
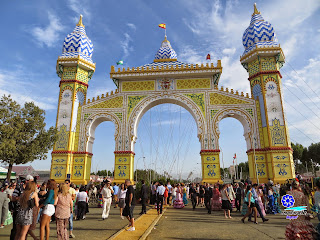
(160, 191)
(106, 193)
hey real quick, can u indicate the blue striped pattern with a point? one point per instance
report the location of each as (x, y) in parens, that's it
(166, 51)
(78, 44)
(165, 64)
(260, 33)
(255, 18)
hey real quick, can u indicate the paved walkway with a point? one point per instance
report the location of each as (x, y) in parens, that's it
(187, 224)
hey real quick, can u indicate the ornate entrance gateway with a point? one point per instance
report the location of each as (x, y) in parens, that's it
(191, 86)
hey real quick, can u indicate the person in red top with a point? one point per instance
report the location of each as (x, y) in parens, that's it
(165, 195)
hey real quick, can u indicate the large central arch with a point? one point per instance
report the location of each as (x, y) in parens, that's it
(157, 99)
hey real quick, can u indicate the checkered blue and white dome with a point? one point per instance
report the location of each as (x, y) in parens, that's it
(77, 44)
(259, 34)
(166, 52)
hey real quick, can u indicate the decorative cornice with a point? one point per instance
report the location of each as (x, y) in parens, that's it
(124, 152)
(166, 60)
(264, 72)
(206, 151)
(76, 153)
(70, 152)
(257, 50)
(71, 81)
(160, 70)
(68, 60)
(270, 149)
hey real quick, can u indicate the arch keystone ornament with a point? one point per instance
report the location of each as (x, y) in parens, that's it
(191, 86)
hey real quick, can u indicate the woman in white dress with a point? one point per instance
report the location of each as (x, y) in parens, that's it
(178, 203)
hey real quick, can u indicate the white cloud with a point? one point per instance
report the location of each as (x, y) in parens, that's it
(132, 26)
(21, 99)
(125, 44)
(48, 35)
(20, 90)
(234, 75)
(81, 8)
(229, 51)
(166, 122)
(294, 13)
(99, 91)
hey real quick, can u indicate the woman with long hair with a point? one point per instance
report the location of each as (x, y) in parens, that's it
(121, 197)
(64, 208)
(260, 196)
(49, 209)
(27, 201)
(249, 200)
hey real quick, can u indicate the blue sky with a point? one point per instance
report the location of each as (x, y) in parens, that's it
(32, 34)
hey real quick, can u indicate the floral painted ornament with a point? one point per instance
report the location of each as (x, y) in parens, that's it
(287, 200)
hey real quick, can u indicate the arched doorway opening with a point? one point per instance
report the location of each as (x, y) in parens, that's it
(232, 149)
(102, 150)
(250, 133)
(167, 145)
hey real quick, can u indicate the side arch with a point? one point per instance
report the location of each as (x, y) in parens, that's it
(248, 122)
(87, 134)
(154, 100)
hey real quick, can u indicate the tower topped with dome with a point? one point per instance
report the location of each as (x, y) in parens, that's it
(259, 35)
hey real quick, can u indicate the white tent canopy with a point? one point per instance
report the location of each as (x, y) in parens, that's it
(3, 173)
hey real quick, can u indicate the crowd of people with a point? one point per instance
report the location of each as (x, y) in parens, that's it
(29, 203)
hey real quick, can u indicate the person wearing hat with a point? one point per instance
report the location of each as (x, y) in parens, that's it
(106, 193)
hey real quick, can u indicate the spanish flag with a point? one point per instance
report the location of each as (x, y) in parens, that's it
(162, 25)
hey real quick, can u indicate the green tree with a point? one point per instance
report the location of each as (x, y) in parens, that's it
(103, 173)
(297, 151)
(314, 152)
(245, 169)
(23, 137)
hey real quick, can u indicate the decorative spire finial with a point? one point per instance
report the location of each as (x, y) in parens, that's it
(255, 10)
(80, 24)
(165, 39)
